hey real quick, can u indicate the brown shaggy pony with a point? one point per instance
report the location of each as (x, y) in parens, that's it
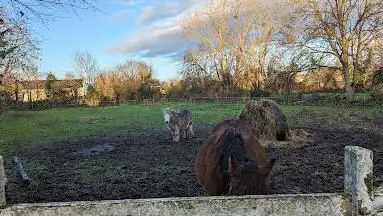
(233, 162)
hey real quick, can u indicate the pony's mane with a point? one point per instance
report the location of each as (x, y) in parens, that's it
(233, 145)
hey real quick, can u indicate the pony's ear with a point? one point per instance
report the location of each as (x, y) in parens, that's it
(234, 168)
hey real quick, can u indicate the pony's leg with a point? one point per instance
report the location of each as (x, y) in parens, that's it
(176, 136)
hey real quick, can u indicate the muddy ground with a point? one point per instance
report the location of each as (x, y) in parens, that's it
(145, 163)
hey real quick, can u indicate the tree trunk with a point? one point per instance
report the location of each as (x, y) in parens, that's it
(344, 60)
(347, 82)
(30, 99)
(17, 92)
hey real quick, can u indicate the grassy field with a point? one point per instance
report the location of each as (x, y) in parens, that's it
(43, 126)
(47, 139)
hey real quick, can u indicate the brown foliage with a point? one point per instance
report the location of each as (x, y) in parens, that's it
(124, 81)
(321, 79)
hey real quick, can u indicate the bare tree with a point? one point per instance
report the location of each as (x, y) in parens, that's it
(341, 29)
(44, 10)
(235, 36)
(28, 75)
(18, 47)
(210, 29)
(253, 27)
(86, 67)
(194, 67)
(18, 50)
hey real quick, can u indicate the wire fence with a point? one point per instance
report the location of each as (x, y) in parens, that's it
(313, 100)
(286, 101)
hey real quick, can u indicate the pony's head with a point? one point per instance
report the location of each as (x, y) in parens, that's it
(246, 177)
(166, 114)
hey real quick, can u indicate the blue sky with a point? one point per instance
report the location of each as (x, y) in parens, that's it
(125, 29)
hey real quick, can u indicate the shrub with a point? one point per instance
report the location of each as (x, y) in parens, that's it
(260, 93)
(377, 77)
(377, 86)
(92, 99)
(377, 93)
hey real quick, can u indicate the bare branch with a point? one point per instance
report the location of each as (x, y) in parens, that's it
(86, 67)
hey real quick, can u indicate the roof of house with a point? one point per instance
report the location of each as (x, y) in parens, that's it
(40, 84)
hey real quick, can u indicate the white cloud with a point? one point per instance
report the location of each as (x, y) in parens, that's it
(160, 41)
(161, 36)
(160, 11)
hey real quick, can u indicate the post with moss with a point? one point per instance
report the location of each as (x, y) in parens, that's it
(358, 178)
(2, 182)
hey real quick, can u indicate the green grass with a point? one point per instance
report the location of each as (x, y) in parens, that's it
(37, 128)
(330, 117)
(57, 124)
(357, 96)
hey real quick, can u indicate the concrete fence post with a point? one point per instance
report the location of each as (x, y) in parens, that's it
(358, 178)
(3, 180)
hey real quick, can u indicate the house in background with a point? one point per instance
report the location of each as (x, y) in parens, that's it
(35, 90)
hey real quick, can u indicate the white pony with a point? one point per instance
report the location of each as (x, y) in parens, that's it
(178, 122)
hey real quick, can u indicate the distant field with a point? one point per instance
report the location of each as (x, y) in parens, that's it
(43, 126)
(146, 163)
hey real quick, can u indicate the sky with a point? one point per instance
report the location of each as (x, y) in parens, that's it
(147, 30)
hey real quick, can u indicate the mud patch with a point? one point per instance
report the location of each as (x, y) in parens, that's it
(96, 150)
(146, 163)
(379, 123)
